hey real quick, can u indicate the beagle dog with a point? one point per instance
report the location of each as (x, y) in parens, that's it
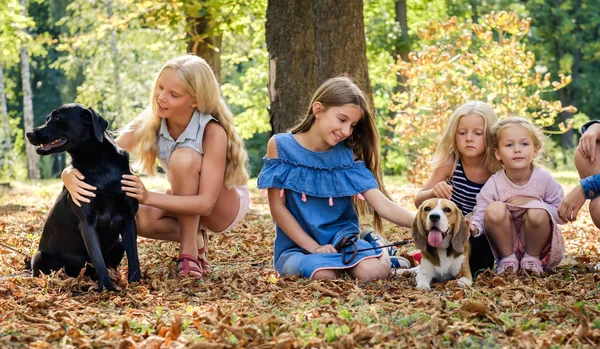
(441, 233)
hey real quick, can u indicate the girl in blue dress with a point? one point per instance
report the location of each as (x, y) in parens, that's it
(316, 175)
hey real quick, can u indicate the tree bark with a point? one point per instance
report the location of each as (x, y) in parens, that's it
(116, 67)
(290, 40)
(205, 43)
(33, 170)
(401, 51)
(340, 43)
(567, 95)
(6, 141)
(310, 41)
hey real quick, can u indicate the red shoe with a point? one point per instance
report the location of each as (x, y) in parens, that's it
(203, 252)
(187, 264)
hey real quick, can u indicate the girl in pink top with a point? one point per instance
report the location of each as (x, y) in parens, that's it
(517, 207)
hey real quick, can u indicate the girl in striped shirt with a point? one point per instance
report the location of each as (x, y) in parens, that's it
(463, 163)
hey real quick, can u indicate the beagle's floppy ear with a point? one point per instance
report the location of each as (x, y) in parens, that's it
(418, 231)
(460, 232)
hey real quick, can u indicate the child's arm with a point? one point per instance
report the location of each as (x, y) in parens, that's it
(487, 195)
(125, 140)
(553, 196)
(210, 185)
(284, 218)
(388, 209)
(436, 186)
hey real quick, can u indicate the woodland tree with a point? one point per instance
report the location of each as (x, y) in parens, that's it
(310, 41)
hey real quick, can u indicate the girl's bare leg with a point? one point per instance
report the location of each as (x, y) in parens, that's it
(185, 166)
(586, 168)
(326, 274)
(499, 228)
(372, 268)
(536, 231)
(156, 223)
(159, 224)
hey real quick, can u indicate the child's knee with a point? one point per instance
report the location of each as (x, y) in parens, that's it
(496, 212)
(595, 211)
(537, 217)
(584, 166)
(185, 161)
(372, 269)
(325, 274)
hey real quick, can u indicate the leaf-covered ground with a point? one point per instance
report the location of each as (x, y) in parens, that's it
(245, 304)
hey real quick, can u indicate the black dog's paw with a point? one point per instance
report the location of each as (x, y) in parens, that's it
(106, 284)
(134, 278)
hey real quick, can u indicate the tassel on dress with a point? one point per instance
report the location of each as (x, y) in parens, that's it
(360, 196)
(330, 201)
(303, 197)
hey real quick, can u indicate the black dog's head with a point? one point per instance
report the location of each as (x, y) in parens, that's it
(67, 127)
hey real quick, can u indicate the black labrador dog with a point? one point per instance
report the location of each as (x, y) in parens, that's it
(98, 232)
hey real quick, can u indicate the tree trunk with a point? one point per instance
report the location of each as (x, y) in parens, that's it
(205, 43)
(474, 12)
(340, 44)
(401, 51)
(6, 141)
(291, 44)
(33, 159)
(310, 41)
(567, 94)
(116, 67)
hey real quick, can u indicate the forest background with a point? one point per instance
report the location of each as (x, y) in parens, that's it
(417, 60)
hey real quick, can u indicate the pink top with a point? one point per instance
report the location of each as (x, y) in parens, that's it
(541, 185)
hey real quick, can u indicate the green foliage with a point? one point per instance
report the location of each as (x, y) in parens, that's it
(12, 161)
(117, 79)
(383, 38)
(12, 36)
(245, 69)
(459, 62)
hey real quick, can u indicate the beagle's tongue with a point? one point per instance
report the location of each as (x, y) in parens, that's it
(434, 238)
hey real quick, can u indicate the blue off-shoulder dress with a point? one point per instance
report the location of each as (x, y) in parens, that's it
(318, 189)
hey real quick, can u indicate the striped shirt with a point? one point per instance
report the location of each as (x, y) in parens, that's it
(464, 191)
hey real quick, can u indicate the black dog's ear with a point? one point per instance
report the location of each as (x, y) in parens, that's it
(99, 123)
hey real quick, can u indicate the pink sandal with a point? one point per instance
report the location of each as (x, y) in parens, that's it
(203, 253)
(187, 264)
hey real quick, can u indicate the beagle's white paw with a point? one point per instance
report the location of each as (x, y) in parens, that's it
(463, 281)
(424, 286)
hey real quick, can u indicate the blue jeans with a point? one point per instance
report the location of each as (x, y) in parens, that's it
(591, 186)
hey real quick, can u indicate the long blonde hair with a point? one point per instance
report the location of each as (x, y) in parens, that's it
(364, 140)
(447, 150)
(537, 135)
(200, 82)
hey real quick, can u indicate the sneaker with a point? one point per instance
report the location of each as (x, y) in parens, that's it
(506, 263)
(532, 264)
(398, 262)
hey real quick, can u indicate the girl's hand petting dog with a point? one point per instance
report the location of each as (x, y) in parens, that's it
(134, 187)
(77, 188)
(472, 228)
(442, 190)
